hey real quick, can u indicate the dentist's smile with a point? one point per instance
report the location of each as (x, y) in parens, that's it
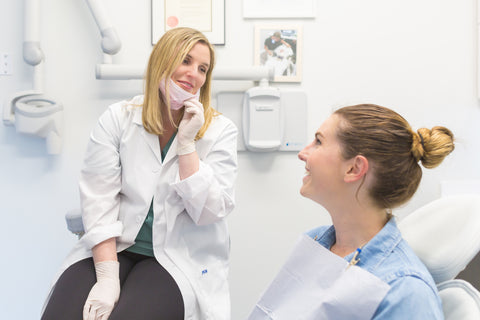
(185, 85)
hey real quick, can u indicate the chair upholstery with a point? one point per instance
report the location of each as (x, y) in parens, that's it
(445, 234)
(75, 222)
(460, 300)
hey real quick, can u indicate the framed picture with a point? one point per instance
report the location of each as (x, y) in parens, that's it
(258, 9)
(280, 47)
(207, 16)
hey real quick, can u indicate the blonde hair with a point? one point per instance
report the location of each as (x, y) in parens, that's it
(385, 138)
(166, 56)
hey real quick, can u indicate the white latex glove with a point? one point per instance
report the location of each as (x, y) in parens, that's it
(104, 294)
(192, 121)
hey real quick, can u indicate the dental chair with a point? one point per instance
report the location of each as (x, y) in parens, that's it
(445, 234)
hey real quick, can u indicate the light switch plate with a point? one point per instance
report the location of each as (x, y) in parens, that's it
(5, 64)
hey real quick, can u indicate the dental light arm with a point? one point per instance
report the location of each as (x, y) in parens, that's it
(32, 53)
(111, 43)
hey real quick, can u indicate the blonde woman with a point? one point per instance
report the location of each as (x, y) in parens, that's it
(362, 162)
(156, 186)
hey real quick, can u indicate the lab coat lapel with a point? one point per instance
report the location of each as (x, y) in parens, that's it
(153, 143)
(172, 151)
(150, 139)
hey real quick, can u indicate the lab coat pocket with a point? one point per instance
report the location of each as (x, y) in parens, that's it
(214, 290)
(213, 278)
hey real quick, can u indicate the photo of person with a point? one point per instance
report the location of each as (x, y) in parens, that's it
(277, 47)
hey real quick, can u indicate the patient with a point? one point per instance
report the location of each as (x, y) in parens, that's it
(362, 163)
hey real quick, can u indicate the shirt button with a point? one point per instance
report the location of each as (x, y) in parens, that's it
(139, 218)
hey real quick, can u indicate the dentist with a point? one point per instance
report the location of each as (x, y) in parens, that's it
(156, 186)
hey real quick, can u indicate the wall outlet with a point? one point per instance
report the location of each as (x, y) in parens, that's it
(5, 64)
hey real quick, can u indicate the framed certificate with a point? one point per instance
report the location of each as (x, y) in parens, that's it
(207, 16)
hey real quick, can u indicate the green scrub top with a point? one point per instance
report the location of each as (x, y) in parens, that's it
(143, 241)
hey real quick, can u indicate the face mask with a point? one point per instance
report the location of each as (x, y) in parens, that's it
(177, 95)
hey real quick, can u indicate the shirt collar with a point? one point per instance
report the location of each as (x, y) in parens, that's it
(137, 117)
(137, 104)
(380, 246)
(375, 250)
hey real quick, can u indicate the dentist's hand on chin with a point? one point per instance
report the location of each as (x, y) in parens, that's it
(192, 121)
(104, 294)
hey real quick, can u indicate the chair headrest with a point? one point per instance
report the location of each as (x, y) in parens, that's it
(445, 234)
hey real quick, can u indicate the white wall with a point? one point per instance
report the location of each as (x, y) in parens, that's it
(417, 57)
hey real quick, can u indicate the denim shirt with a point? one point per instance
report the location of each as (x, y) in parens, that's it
(413, 293)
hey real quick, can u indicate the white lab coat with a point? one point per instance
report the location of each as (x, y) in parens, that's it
(123, 171)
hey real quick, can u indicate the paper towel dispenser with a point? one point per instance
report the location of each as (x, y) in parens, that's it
(263, 119)
(293, 109)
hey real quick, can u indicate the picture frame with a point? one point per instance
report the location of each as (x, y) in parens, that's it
(258, 9)
(283, 53)
(207, 16)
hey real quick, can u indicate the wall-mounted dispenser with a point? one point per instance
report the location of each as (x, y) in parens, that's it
(290, 129)
(262, 118)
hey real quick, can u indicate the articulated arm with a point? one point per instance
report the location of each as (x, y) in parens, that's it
(111, 43)
(32, 53)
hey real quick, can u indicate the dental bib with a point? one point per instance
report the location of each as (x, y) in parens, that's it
(177, 95)
(316, 284)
